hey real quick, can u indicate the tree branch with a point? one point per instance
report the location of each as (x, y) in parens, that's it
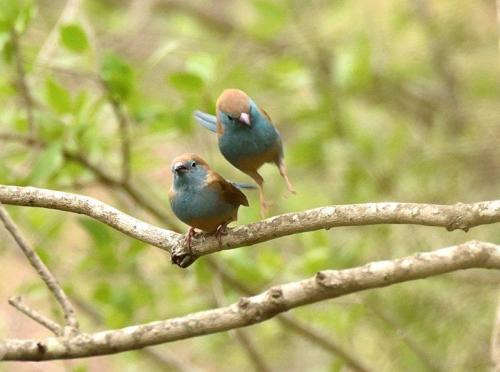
(55, 328)
(124, 132)
(102, 175)
(250, 310)
(41, 269)
(458, 216)
(258, 362)
(292, 324)
(22, 84)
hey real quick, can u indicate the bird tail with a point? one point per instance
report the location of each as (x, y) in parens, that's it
(246, 186)
(206, 120)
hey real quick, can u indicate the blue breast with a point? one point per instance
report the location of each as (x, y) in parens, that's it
(190, 204)
(242, 142)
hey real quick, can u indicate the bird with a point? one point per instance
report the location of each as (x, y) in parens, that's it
(246, 136)
(202, 198)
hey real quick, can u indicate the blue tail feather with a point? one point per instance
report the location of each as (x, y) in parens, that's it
(246, 186)
(206, 120)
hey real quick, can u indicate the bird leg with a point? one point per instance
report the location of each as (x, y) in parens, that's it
(189, 236)
(264, 205)
(221, 230)
(284, 173)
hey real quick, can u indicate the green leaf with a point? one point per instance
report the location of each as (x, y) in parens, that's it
(24, 17)
(47, 164)
(57, 96)
(186, 82)
(73, 38)
(118, 76)
(16, 14)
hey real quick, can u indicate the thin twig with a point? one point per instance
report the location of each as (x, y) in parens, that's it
(440, 57)
(410, 343)
(17, 302)
(102, 175)
(240, 335)
(324, 285)
(41, 269)
(164, 358)
(22, 83)
(293, 324)
(124, 130)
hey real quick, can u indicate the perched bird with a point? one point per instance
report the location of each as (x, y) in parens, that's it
(202, 198)
(247, 137)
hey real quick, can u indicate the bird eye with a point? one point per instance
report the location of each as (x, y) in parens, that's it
(193, 164)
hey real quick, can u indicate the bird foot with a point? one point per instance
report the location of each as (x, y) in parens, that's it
(186, 258)
(264, 208)
(221, 230)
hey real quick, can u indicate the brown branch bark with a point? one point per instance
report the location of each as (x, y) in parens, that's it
(458, 216)
(41, 269)
(250, 310)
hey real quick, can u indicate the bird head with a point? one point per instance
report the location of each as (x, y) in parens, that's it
(233, 108)
(189, 168)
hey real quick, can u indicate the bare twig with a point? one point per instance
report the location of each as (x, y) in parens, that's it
(410, 343)
(240, 335)
(458, 216)
(291, 323)
(164, 358)
(17, 302)
(102, 175)
(68, 13)
(41, 269)
(124, 130)
(22, 83)
(251, 310)
(442, 64)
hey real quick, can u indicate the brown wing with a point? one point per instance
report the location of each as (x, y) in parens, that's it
(229, 192)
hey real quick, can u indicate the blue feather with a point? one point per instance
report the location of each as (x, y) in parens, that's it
(206, 120)
(246, 186)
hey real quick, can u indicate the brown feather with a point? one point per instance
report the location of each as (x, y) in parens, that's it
(228, 191)
(234, 102)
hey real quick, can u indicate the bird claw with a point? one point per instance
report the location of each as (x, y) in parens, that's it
(185, 259)
(221, 230)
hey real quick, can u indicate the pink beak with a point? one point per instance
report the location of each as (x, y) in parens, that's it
(245, 118)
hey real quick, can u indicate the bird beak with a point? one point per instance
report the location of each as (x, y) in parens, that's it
(179, 168)
(245, 118)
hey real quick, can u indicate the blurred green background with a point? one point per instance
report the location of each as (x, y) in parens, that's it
(376, 100)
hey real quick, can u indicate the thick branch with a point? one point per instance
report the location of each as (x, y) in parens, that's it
(250, 310)
(289, 322)
(41, 269)
(458, 216)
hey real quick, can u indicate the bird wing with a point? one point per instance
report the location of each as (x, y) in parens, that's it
(229, 192)
(206, 120)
